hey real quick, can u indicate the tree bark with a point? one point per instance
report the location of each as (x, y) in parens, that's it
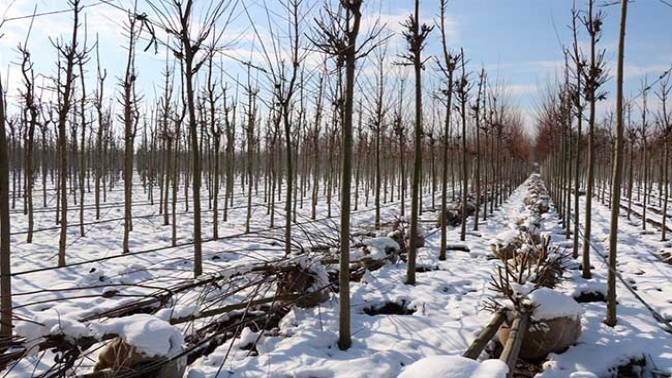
(5, 261)
(616, 175)
(66, 92)
(416, 46)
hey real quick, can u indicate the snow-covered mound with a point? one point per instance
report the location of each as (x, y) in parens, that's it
(50, 322)
(505, 244)
(555, 323)
(380, 247)
(455, 367)
(149, 335)
(550, 304)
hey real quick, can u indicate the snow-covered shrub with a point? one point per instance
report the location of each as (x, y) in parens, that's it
(538, 199)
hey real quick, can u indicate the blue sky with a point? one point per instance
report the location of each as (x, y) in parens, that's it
(518, 41)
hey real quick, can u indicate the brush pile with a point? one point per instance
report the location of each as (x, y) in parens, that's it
(161, 332)
(390, 242)
(453, 213)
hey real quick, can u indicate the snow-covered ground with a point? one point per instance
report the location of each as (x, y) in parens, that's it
(449, 313)
(100, 278)
(443, 312)
(637, 335)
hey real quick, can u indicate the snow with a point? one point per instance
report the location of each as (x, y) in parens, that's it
(637, 335)
(506, 237)
(449, 301)
(320, 275)
(150, 335)
(50, 322)
(449, 314)
(455, 367)
(522, 290)
(178, 311)
(382, 244)
(595, 286)
(356, 254)
(549, 304)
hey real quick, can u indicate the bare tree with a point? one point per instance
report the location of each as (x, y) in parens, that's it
(30, 116)
(317, 126)
(337, 33)
(447, 67)
(216, 130)
(665, 124)
(285, 77)
(230, 130)
(578, 105)
(644, 133)
(595, 76)
(400, 132)
(377, 125)
(617, 173)
(70, 56)
(5, 266)
(82, 150)
(250, 125)
(177, 18)
(130, 120)
(415, 36)
(168, 137)
(102, 118)
(462, 88)
(477, 108)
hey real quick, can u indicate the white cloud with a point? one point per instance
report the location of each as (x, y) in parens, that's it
(653, 70)
(521, 89)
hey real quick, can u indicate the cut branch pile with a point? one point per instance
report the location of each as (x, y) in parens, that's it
(207, 311)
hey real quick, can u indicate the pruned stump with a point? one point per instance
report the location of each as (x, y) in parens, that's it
(505, 244)
(312, 299)
(304, 283)
(118, 358)
(452, 218)
(371, 264)
(453, 213)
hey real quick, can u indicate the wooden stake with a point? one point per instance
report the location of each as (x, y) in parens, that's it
(486, 335)
(515, 340)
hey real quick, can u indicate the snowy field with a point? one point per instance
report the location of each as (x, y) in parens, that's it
(440, 316)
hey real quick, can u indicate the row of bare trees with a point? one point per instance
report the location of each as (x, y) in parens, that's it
(621, 158)
(575, 162)
(272, 138)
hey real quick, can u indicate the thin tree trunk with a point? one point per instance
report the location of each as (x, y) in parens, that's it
(82, 150)
(465, 178)
(189, 71)
(417, 37)
(129, 130)
(590, 180)
(616, 175)
(5, 260)
(70, 55)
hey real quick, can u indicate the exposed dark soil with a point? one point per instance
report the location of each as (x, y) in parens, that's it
(389, 308)
(590, 296)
